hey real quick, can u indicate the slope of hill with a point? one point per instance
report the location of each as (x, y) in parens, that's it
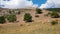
(40, 25)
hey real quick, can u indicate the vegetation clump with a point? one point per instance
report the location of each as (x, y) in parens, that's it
(38, 11)
(12, 18)
(36, 15)
(27, 17)
(54, 22)
(54, 9)
(55, 15)
(2, 19)
(10, 12)
(18, 12)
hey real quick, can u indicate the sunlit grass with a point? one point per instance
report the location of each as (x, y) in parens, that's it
(31, 28)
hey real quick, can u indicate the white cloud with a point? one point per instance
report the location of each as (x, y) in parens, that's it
(51, 4)
(17, 3)
(35, 5)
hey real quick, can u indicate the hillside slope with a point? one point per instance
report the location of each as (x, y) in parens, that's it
(40, 25)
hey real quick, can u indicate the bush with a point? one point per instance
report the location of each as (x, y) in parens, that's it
(10, 12)
(11, 18)
(18, 12)
(2, 19)
(54, 22)
(27, 17)
(36, 15)
(54, 15)
(38, 11)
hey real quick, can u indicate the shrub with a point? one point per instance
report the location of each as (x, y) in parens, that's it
(36, 15)
(2, 19)
(38, 11)
(54, 22)
(54, 15)
(27, 17)
(10, 12)
(11, 18)
(18, 12)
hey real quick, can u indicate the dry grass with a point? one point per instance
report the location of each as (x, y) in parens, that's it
(30, 28)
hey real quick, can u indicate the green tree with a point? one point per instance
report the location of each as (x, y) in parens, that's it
(12, 18)
(27, 17)
(2, 19)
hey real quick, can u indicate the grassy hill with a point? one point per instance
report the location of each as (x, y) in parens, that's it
(40, 25)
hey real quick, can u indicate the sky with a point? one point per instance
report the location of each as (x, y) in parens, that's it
(13, 4)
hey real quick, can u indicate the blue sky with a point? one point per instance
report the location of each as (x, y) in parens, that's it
(39, 2)
(30, 3)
